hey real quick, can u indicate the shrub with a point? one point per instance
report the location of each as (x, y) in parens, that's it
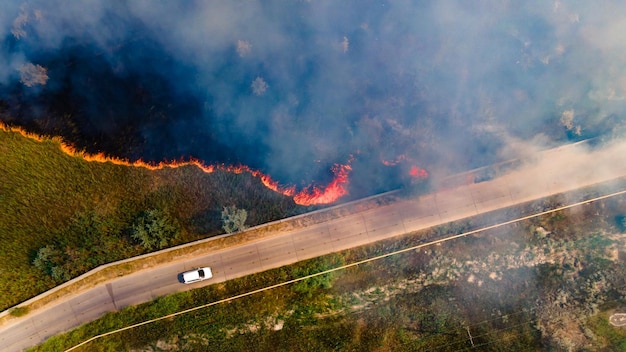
(47, 258)
(234, 219)
(51, 261)
(19, 311)
(155, 230)
(318, 265)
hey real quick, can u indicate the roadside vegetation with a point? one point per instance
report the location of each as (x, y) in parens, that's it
(548, 283)
(234, 219)
(61, 216)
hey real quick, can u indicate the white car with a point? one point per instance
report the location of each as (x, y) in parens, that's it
(196, 275)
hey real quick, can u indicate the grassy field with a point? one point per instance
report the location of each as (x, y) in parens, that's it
(545, 283)
(87, 210)
(609, 335)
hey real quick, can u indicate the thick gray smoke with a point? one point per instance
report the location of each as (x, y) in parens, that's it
(292, 87)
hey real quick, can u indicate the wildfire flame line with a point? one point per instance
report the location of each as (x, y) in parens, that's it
(415, 172)
(311, 195)
(333, 191)
(399, 159)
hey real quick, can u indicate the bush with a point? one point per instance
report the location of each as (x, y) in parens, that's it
(51, 261)
(47, 258)
(155, 230)
(234, 219)
(318, 265)
(19, 311)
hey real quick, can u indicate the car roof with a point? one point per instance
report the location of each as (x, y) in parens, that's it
(192, 275)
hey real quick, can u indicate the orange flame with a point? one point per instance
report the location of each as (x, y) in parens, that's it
(309, 196)
(335, 189)
(414, 171)
(418, 172)
(398, 160)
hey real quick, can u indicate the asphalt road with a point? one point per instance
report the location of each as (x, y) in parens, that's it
(556, 171)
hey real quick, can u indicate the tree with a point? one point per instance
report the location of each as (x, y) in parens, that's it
(47, 257)
(155, 230)
(324, 281)
(234, 219)
(51, 261)
(31, 75)
(243, 48)
(259, 86)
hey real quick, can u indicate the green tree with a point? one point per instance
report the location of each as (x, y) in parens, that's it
(234, 219)
(155, 230)
(324, 281)
(47, 257)
(50, 260)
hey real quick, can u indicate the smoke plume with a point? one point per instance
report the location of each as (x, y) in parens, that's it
(294, 88)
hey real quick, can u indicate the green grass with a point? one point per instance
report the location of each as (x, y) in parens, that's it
(313, 317)
(46, 197)
(19, 311)
(374, 306)
(611, 338)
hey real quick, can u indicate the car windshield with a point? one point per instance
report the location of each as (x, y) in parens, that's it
(201, 272)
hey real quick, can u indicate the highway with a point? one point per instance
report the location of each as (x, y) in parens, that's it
(555, 171)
